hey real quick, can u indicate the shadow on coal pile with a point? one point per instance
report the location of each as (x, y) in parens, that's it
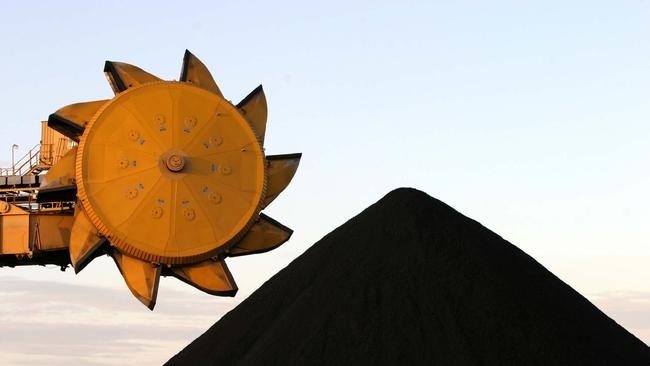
(410, 281)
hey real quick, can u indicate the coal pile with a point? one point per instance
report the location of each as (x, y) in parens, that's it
(410, 281)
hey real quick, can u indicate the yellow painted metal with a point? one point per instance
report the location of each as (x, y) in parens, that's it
(50, 231)
(142, 205)
(22, 232)
(54, 145)
(140, 276)
(211, 276)
(254, 109)
(62, 173)
(14, 229)
(123, 76)
(266, 234)
(195, 72)
(167, 175)
(280, 170)
(84, 240)
(77, 116)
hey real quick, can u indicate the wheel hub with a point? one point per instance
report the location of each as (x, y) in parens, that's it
(175, 163)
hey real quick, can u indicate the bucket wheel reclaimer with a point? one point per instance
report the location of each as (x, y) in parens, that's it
(170, 179)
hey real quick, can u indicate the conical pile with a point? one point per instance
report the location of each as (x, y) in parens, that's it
(410, 281)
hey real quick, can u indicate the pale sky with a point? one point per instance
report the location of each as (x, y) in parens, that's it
(530, 117)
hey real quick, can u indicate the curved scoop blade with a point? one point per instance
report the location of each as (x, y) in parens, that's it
(85, 241)
(122, 76)
(71, 120)
(281, 169)
(141, 277)
(211, 276)
(254, 109)
(195, 72)
(266, 234)
(58, 184)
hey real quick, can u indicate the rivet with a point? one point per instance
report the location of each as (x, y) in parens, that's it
(134, 135)
(216, 140)
(161, 123)
(190, 122)
(189, 214)
(214, 198)
(132, 193)
(123, 163)
(157, 212)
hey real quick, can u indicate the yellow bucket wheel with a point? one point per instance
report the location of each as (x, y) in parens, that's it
(171, 179)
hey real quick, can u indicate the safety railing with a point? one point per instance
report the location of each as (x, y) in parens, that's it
(25, 164)
(40, 157)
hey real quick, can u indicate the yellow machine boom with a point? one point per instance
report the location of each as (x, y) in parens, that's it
(167, 177)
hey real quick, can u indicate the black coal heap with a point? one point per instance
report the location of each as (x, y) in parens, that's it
(410, 281)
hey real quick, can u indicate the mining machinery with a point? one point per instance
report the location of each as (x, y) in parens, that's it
(168, 178)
